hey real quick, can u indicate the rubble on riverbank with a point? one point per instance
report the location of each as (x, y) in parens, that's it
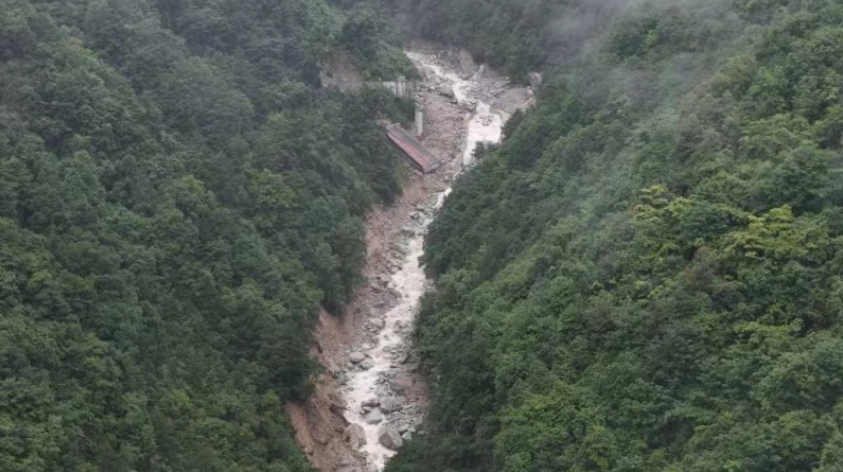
(372, 396)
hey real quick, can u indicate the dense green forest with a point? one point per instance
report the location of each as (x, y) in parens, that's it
(178, 195)
(518, 36)
(647, 274)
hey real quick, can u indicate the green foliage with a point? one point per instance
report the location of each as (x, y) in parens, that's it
(177, 197)
(646, 275)
(522, 36)
(376, 57)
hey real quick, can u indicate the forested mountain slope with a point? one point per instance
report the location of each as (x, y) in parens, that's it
(518, 36)
(177, 197)
(647, 275)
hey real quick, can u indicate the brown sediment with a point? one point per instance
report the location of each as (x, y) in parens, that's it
(319, 423)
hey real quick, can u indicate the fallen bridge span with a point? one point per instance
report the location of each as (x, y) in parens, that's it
(418, 155)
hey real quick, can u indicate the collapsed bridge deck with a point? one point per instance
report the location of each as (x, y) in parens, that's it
(418, 155)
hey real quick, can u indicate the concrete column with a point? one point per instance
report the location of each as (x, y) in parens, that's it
(419, 121)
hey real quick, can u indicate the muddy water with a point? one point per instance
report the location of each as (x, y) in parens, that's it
(386, 348)
(389, 348)
(484, 126)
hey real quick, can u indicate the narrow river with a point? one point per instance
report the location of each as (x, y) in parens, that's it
(374, 388)
(484, 126)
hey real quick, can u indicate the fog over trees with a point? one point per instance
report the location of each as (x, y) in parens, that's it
(646, 274)
(178, 196)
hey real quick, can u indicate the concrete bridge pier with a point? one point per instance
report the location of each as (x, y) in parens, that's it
(419, 120)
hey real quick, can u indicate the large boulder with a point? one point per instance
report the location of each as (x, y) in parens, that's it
(390, 404)
(355, 435)
(338, 409)
(403, 382)
(374, 417)
(389, 437)
(357, 357)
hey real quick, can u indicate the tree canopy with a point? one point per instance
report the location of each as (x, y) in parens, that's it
(178, 196)
(646, 275)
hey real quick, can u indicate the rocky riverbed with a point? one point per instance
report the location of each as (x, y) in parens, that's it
(372, 397)
(385, 395)
(381, 384)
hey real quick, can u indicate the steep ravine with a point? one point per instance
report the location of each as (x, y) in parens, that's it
(372, 397)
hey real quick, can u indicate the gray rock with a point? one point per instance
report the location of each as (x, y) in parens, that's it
(390, 404)
(377, 323)
(367, 364)
(374, 417)
(371, 402)
(402, 382)
(338, 407)
(357, 357)
(355, 435)
(389, 437)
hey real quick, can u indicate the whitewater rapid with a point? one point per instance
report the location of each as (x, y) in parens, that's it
(365, 385)
(385, 353)
(484, 125)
